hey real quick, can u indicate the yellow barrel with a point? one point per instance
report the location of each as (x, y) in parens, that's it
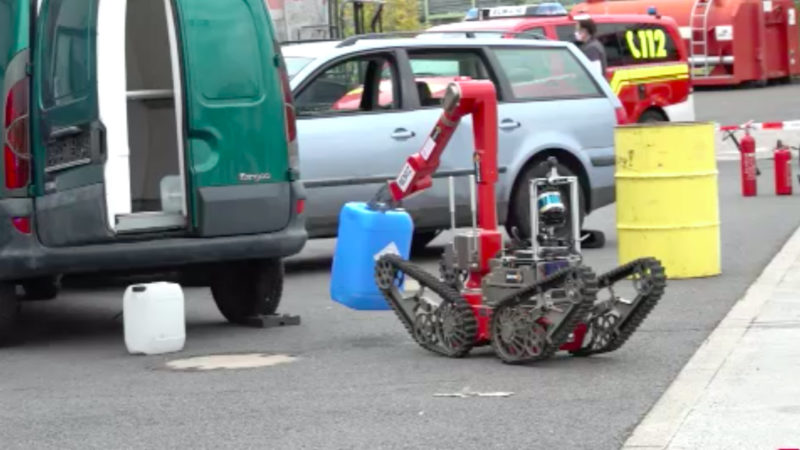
(667, 202)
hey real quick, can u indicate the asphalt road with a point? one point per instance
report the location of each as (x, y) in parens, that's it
(359, 381)
(737, 106)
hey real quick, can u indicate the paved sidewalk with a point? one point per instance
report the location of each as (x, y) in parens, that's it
(741, 389)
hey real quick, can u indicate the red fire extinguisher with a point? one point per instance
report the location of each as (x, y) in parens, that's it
(748, 165)
(783, 170)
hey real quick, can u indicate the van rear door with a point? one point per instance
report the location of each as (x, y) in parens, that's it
(67, 135)
(237, 151)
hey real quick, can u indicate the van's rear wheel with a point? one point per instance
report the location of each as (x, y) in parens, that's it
(248, 288)
(9, 310)
(41, 288)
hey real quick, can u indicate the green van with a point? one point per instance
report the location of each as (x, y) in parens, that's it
(146, 135)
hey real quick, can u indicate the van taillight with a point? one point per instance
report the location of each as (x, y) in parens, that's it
(22, 224)
(289, 112)
(288, 101)
(16, 148)
(622, 116)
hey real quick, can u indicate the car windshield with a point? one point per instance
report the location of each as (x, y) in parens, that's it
(296, 63)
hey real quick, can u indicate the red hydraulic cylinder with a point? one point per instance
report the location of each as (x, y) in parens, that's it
(464, 97)
(783, 170)
(748, 165)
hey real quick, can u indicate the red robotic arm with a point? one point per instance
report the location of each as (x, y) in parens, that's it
(462, 97)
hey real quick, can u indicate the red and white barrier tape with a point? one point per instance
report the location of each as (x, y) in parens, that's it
(785, 125)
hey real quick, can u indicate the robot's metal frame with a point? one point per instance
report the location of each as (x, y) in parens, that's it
(528, 300)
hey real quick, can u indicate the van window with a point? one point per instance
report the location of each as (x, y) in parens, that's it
(67, 73)
(546, 74)
(231, 58)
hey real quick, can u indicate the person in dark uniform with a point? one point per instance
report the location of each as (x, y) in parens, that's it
(585, 35)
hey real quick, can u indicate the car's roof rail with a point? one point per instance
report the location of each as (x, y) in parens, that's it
(467, 33)
(306, 41)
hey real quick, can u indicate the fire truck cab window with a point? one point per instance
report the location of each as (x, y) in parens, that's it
(643, 43)
(629, 44)
(607, 34)
(531, 33)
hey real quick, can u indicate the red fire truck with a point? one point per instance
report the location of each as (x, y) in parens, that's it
(729, 42)
(648, 65)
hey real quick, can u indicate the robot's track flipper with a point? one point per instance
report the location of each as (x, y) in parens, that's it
(612, 321)
(532, 323)
(447, 327)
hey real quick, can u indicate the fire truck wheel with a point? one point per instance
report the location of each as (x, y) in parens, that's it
(520, 201)
(9, 310)
(652, 116)
(249, 288)
(42, 288)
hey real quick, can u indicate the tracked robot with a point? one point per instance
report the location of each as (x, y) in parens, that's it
(528, 299)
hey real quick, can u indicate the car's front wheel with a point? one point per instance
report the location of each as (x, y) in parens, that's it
(248, 289)
(520, 206)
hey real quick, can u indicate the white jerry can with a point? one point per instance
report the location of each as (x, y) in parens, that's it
(153, 318)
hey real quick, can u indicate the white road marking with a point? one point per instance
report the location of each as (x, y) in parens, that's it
(233, 361)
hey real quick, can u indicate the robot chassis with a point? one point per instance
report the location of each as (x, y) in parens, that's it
(527, 301)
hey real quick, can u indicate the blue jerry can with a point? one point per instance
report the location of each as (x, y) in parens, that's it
(363, 235)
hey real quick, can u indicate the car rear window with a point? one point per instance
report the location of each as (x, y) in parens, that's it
(546, 74)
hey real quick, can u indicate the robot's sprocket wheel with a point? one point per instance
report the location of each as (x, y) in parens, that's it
(612, 322)
(526, 328)
(518, 336)
(448, 328)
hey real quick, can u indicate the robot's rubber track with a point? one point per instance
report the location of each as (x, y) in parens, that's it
(657, 284)
(587, 288)
(443, 290)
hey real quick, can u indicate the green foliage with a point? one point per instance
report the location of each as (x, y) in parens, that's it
(397, 15)
(401, 15)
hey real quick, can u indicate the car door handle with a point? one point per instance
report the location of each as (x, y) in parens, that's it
(402, 133)
(509, 124)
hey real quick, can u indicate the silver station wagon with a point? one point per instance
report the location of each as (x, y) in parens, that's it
(366, 103)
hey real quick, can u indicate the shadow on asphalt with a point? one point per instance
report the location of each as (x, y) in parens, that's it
(297, 265)
(90, 323)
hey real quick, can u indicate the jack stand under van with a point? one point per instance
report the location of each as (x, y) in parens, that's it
(146, 135)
